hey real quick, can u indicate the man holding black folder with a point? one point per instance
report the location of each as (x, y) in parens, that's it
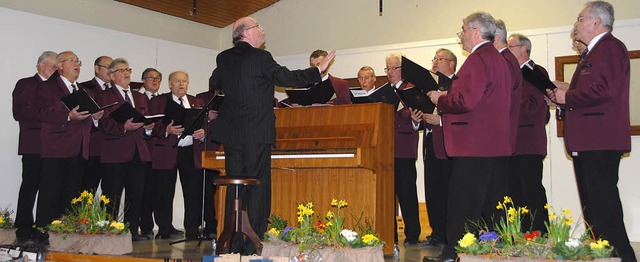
(186, 157)
(525, 166)
(475, 117)
(65, 142)
(124, 150)
(405, 155)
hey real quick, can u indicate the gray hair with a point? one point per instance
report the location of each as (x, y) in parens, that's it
(176, 72)
(368, 68)
(449, 55)
(484, 22)
(603, 11)
(396, 55)
(44, 56)
(149, 70)
(117, 61)
(501, 30)
(523, 41)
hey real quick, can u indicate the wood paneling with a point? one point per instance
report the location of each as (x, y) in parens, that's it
(218, 13)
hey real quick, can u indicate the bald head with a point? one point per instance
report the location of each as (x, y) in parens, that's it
(248, 30)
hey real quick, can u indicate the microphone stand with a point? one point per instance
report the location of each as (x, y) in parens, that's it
(205, 112)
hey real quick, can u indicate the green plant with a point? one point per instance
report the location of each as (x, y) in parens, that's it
(88, 215)
(5, 218)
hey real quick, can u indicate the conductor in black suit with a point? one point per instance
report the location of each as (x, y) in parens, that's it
(246, 122)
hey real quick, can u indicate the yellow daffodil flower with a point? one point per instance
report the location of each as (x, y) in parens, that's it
(507, 200)
(368, 238)
(499, 206)
(566, 211)
(56, 222)
(524, 210)
(467, 240)
(104, 199)
(547, 206)
(552, 216)
(334, 202)
(342, 203)
(329, 214)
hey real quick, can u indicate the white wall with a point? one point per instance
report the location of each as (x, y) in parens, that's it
(26, 35)
(547, 43)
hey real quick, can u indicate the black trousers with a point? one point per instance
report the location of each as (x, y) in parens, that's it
(437, 173)
(211, 223)
(93, 173)
(474, 186)
(597, 178)
(130, 177)
(31, 169)
(60, 181)
(148, 197)
(526, 189)
(250, 160)
(405, 176)
(191, 181)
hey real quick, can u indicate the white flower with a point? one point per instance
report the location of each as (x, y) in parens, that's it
(349, 234)
(102, 223)
(572, 243)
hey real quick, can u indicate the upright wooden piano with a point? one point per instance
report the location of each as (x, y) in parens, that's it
(342, 152)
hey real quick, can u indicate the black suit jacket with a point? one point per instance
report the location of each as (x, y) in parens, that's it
(248, 76)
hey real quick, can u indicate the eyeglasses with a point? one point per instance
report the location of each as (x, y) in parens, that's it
(464, 30)
(180, 81)
(249, 28)
(123, 70)
(76, 61)
(153, 78)
(438, 59)
(103, 66)
(580, 18)
(393, 68)
(512, 46)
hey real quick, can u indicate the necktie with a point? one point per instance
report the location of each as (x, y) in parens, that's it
(153, 95)
(106, 86)
(584, 54)
(75, 88)
(181, 104)
(126, 97)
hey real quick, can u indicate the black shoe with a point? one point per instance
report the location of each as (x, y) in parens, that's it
(410, 242)
(136, 238)
(434, 241)
(147, 234)
(25, 241)
(437, 259)
(163, 236)
(41, 238)
(176, 232)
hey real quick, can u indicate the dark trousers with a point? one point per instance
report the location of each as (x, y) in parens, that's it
(597, 178)
(60, 181)
(437, 173)
(148, 197)
(526, 189)
(31, 169)
(130, 177)
(191, 181)
(211, 223)
(405, 176)
(93, 173)
(254, 161)
(473, 186)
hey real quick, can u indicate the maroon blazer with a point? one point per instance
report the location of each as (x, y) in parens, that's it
(534, 116)
(120, 146)
(516, 94)
(164, 154)
(475, 112)
(25, 111)
(405, 138)
(61, 138)
(341, 87)
(96, 136)
(597, 102)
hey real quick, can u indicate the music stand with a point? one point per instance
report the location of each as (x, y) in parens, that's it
(205, 111)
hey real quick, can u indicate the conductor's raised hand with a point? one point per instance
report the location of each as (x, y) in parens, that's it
(327, 61)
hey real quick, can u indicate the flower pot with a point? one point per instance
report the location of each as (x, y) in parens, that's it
(91, 243)
(329, 254)
(485, 258)
(7, 236)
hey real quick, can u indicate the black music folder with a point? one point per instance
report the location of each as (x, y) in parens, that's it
(419, 76)
(320, 93)
(82, 99)
(384, 94)
(416, 99)
(444, 82)
(183, 116)
(537, 78)
(126, 111)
